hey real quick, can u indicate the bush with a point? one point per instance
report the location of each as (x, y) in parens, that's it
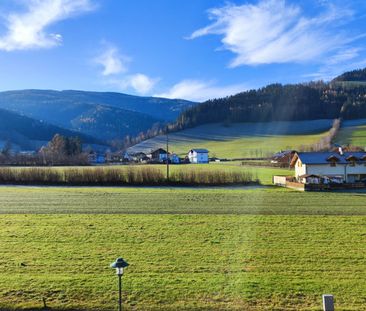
(193, 177)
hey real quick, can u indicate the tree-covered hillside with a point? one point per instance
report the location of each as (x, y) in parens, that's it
(276, 102)
(354, 75)
(29, 133)
(105, 115)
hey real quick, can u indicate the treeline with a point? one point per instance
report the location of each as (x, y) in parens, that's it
(61, 150)
(276, 102)
(326, 142)
(128, 140)
(354, 75)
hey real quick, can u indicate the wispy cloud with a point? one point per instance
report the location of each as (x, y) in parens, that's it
(273, 31)
(116, 71)
(140, 83)
(198, 90)
(28, 30)
(111, 60)
(339, 63)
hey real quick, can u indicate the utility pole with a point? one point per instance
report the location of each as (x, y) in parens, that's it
(167, 153)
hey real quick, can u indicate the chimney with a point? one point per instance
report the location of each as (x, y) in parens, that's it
(340, 150)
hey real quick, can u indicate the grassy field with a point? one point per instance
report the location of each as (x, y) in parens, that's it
(188, 249)
(353, 132)
(242, 139)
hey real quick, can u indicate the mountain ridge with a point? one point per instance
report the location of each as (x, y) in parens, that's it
(28, 133)
(105, 115)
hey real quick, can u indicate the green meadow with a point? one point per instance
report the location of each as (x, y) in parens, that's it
(354, 133)
(248, 146)
(188, 248)
(242, 140)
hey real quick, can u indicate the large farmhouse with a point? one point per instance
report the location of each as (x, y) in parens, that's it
(329, 167)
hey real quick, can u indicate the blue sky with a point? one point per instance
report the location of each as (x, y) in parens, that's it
(192, 49)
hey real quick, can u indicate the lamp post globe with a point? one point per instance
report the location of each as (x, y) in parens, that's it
(119, 265)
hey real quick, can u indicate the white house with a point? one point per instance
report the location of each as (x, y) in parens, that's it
(329, 167)
(198, 156)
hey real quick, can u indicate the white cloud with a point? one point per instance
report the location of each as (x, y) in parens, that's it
(142, 83)
(139, 82)
(339, 63)
(273, 32)
(112, 61)
(197, 90)
(27, 30)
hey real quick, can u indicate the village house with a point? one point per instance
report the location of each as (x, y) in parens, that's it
(283, 158)
(158, 155)
(173, 158)
(198, 156)
(329, 167)
(140, 157)
(95, 158)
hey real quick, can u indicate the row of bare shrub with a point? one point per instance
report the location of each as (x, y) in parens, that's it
(325, 143)
(118, 176)
(201, 177)
(81, 176)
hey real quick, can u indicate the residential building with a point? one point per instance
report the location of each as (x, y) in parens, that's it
(198, 156)
(329, 167)
(158, 155)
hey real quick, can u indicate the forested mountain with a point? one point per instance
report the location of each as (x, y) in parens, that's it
(316, 100)
(28, 133)
(104, 115)
(354, 75)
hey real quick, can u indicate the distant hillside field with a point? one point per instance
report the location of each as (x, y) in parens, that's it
(353, 132)
(240, 140)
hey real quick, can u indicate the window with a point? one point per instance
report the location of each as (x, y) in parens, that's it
(333, 163)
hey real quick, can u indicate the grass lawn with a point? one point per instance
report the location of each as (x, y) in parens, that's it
(188, 249)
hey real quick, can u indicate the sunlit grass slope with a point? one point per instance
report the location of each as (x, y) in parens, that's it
(353, 132)
(242, 140)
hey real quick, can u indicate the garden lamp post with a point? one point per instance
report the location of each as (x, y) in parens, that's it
(119, 265)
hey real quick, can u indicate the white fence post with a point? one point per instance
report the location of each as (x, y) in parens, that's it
(328, 302)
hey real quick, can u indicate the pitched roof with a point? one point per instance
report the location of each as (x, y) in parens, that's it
(309, 175)
(160, 150)
(324, 157)
(200, 150)
(283, 153)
